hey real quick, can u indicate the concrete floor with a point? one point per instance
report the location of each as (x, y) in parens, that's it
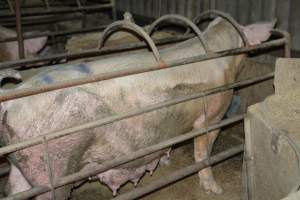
(228, 174)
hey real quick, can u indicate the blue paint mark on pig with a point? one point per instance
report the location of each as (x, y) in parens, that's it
(84, 68)
(47, 79)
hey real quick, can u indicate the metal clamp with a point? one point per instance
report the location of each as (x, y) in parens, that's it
(188, 22)
(129, 25)
(225, 16)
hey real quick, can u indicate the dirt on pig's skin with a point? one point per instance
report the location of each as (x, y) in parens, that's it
(228, 174)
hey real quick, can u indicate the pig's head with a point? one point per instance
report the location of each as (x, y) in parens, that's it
(221, 36)
(258, 32)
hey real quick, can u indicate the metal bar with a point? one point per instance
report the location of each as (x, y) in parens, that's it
(114, 10)
(42, 20)
(84, 54)
(19, 30)
(104, 121)
(57, 33)
(122, 160)
(287, 45)
(132, 28)
(18, 93)
(61, 10)
(10, 5)
(48, 167)
(181, 174)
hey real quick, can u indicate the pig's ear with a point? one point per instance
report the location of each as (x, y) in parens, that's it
(258, 32)
(34, 45)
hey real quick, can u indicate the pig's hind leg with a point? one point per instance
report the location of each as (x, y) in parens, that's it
(202, 150)
(16, 181)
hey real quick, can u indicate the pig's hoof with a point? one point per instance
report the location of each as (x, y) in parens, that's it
(211, 187)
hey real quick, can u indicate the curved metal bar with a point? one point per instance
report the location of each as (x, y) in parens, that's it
(188, 22)
(287, 36)
(128, 25)
(225, 16)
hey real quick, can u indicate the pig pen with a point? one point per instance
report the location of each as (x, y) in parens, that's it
(227, 173)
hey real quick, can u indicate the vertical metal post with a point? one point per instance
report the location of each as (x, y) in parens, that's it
(287, 46)
(11, 7)
(48, 166)
(212, 5)
(84, 18)
(159, 8)
(206, 123)
(19, 29)
(114, 10)
(55, 28)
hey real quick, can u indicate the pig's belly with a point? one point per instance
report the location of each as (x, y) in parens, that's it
(130, 135)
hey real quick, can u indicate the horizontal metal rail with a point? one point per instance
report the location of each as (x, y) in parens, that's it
(122, 160)
(65, 132)
(57, 33)
(141, 69)
(43, 20)
(181, 174)
(92, 53)
(60, 10)
(42, 5)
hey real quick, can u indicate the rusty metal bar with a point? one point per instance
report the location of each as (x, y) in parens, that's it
(228, 18)
(188, 22)
(181, 174)
(48, 167)
(57, 33)
(19, 29)
(129, 25)
(114, 10)
(61, 10)
(104, 121)
(42, 5)
(40, 20)
(18, 93)
(84, 54)
(287, 46)
(122, 160)
(10, 5)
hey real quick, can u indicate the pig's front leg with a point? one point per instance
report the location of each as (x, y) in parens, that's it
(202, 150)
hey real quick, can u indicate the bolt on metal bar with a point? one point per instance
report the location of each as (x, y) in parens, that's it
(65, 132)
(61, 10)
(19, 30)
(37, 190)
(181, 174)
(18, 93)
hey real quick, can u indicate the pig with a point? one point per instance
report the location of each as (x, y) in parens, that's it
(9, 50)
(37, 115)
